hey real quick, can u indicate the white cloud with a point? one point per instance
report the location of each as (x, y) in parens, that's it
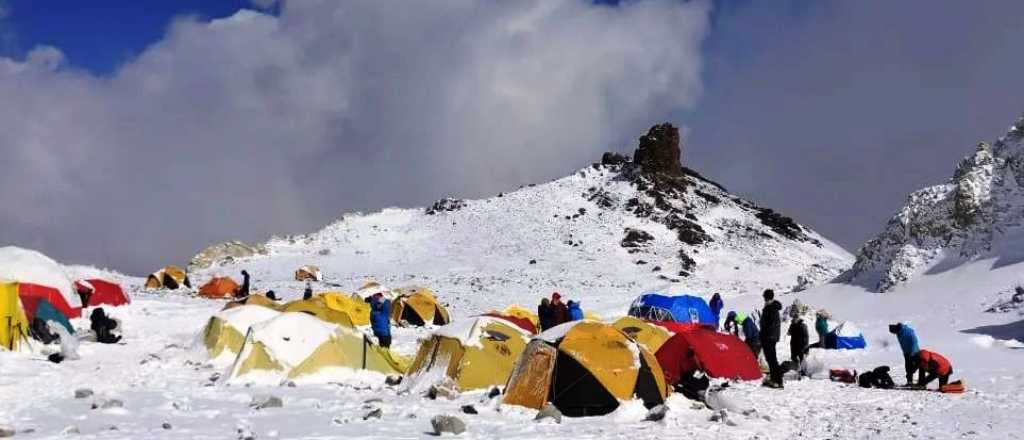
(256, 124)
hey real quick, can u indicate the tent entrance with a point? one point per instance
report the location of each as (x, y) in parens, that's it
(576, 392)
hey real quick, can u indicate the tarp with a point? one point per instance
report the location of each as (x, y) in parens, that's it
(103, 292)
(47, 312)
(694, 348)
(681, 308)
(846, 337)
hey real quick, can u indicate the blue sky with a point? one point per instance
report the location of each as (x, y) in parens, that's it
(98, 36)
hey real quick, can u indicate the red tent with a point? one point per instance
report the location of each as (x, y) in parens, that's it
(695, 348)
(30, 295)
(522, 323)
(102, 292)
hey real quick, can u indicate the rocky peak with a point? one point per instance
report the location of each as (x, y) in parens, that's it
(659, 151)
(956, 221)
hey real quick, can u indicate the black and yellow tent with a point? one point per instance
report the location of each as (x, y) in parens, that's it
(418, 306)
(170, 277)
(585, 368)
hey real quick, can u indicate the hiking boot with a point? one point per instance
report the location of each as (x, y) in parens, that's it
(771, 384)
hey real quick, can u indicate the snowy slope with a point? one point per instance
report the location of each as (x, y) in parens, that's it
(946, 225)
(688, 234)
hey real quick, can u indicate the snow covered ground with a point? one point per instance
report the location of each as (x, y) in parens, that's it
(478, 258)
(162, 378)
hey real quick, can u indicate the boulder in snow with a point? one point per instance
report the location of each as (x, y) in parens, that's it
(449, 424)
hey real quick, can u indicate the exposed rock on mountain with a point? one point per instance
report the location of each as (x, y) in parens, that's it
(584, 232)
(945, 225)
(224, 253)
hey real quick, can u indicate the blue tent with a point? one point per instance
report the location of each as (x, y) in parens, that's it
(845, 337)
(682, 308)
(47, 312)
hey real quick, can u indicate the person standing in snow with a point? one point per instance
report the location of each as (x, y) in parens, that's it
(380, 319)
(575, 312)
(717, 304)
(821, 327)
(751, 334)
(559, 310)
(244, 290)
(907, 338)
(799, 339)
(545, 314)
(308, 293)
(771, 329)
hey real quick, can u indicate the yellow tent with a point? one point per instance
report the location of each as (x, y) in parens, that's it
(170, 277)
(317, 307)
(651, 336)
(225, 331)
(254, 300)
(307, 273)
(585, 368)
(522, 312)
(13, 323)
(418, 306)
(475, 354)
(297, 346)
(356, 308)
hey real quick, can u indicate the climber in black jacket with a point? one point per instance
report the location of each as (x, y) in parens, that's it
(103, 325)
(771, 328)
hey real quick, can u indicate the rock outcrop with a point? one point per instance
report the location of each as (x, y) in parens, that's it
(953, 222)
(224, 253)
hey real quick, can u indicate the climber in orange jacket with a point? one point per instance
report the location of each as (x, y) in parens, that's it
(931, 366)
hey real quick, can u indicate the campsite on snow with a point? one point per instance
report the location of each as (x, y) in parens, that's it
(633, 298)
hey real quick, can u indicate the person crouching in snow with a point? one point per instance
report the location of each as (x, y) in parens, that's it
(717, 304)
(908, 344)
(799, 339)
(103, 326)
(931, 366)
(380, 319)
(732, 323)
(575, 312)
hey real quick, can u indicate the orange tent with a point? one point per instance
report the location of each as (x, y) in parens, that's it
(219, 288)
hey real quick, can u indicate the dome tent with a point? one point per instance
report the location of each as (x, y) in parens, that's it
(298, 346)
(170, 277)
(692, 348)
(39, 278)
(585, 368)
(354, 306)
(219, 288)
(225, 332)
(681, 308)
(102, 292)
(476, 353)
(647, 334)
(418, 306)
(308, 273)
(317, 307)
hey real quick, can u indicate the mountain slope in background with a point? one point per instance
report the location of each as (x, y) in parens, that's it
(977, 214)
(609, 230)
